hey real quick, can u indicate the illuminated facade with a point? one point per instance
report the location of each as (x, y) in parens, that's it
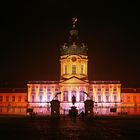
(74, 82)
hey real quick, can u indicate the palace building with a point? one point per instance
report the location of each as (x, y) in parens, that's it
(73, 82)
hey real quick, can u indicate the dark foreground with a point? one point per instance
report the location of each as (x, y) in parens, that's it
(22, 128)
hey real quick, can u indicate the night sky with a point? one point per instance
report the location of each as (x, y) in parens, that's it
(32, 33)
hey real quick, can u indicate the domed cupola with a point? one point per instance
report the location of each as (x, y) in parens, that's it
(74, 59)
(74, 47)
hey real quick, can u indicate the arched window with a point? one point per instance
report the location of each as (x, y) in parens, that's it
(74, 93)
(65, 96)
(82, 96)
(73, 69)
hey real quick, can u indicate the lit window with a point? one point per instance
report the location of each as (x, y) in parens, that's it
(82, 69)
(33, 89)
(41, 89)
(73, 93)
(73, 69)
(1, 98)
(65, 96)
(106, 89)
(33, 98)
(82, 96)
(107, 98)
(99, 99)
(56, 90)
(99, 89)
(91, 89)
(13, 98)
(19, 99)
(65, 69)
(7, 98)
(13, 109)
(114, 89)
(48, 89)
(134, 99)
(128, 98)
(48, 97)
(40, 97)
(107, 110)
(115, 98)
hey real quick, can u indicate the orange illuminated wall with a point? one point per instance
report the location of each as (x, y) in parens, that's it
(130, 98)
(13, 101)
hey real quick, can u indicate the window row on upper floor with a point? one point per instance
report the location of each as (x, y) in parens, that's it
(131, 99)
(12, 98)
(74, 69)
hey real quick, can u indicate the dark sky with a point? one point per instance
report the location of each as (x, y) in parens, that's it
(32, 33)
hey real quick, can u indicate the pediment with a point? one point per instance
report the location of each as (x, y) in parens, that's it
(73, 80)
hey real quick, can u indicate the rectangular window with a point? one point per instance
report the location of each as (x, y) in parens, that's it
(99, 99)
(134, 99)
(82, 69)
(107, 110)
(7, 109)
(115, 98)
(0, 109)
(41, 88)
(48, 97)
(65, 96)
(99, 89)
(13, 109)
(33, 89)
(40, 98)
(114, 89)
(65, 69)
(7, 98)
(128, 98)
(19, 98)
(13, 98)
(48, 89)
(106, 89)
(73, 69)
(56, 90)
(33, 98)
(107, 98)
(1, 98)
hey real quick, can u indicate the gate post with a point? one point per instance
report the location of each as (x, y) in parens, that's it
(55, 109)
(89, 104)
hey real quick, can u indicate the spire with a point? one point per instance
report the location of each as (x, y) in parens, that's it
(74, 46)
(74, 32)
(74, 21)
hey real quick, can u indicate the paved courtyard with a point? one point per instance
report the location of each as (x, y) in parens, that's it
(22, 128)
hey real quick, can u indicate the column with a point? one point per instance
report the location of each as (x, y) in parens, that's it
(29, 93)
(44, 94)
(69, 94)
(36, 92)
(78, 94)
